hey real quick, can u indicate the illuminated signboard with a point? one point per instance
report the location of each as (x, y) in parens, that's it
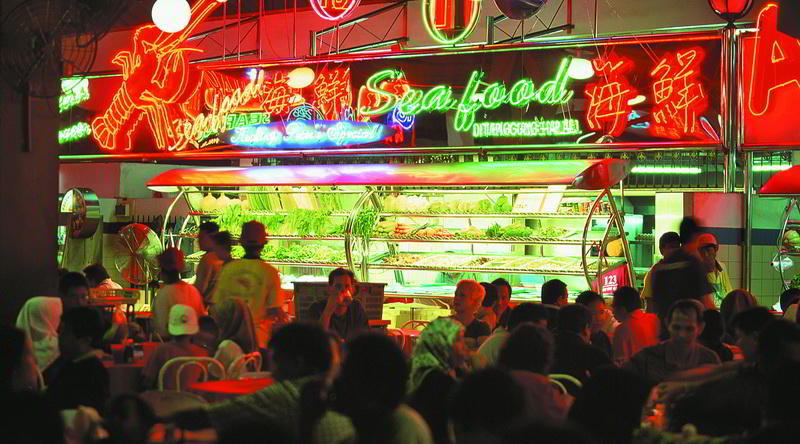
(74, 90)
(647, 91)
(771, 84)
(74, 132)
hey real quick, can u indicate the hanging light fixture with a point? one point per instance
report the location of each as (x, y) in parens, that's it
(171, 15)
(731, 10)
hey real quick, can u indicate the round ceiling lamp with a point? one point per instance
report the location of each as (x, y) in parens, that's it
(731, 10)
(171, 15)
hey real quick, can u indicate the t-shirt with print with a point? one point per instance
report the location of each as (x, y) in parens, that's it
(172, 294)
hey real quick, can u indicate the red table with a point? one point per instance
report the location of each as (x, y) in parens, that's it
(214, 391)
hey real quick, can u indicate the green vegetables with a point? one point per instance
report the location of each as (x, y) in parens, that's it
(518, 230)
(232, 218)
(259, 201)
(485, 205)
(365, 222)
(308, 222)
(502, 205)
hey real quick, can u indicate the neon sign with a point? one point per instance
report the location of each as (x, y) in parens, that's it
(609, 98)
(74, 132)
(533, 128)
(679, 95)
(75, 91)
(440, 98)
(440, 19)
(236, 120)
(323, 133)
(774, 65)
(334, 9)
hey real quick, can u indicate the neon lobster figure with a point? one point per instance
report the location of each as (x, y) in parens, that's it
(157, 83)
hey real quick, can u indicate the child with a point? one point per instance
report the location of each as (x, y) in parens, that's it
(82, 380)
(182, 327)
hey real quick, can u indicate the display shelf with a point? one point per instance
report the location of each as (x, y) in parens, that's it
(551, 265)
(496, 215)
(279, 237)
(259, 213)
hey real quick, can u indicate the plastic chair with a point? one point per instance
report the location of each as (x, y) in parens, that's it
(558, 385)
(185, 361)
(569, 383)
(398, 335)
(414, 323)
(243, 362)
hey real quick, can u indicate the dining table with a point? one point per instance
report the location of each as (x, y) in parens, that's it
(215, 391)
(124, 377)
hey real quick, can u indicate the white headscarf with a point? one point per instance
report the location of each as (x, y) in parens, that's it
(39, 318)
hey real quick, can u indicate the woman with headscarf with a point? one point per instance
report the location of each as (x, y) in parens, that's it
(237, 332)
(39, 318)
(734, 303)
(439, 352)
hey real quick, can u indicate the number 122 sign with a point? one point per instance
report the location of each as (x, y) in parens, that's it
(334, 10)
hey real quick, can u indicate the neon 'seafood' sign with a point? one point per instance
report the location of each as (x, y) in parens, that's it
(308, 134)
(477, 95)
(74, 132)
(531, 128)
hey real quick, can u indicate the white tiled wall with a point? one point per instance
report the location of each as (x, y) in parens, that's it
(765, 282)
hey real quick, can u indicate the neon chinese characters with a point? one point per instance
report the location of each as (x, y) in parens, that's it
(678, 94)
(608, 108)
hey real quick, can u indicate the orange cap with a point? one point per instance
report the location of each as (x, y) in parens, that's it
(707, 239)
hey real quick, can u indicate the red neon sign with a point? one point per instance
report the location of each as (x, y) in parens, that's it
(157, 79)
(334, 9)
(678, 94)
(332, 92)
(608, 99)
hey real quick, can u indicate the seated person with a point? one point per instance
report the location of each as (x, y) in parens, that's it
(637, 329)
(237, 334)
(82, 379)
(554, 295)
(747, 326)
(486, 312)
(39, 319)
(501, 308)
(466, 303)
(574, 354)
(207, 336)
(18, 371)
(527, 312)
(603, 322)
(182, 326)
(98, 277)
(174, 291)
(711, 337)
(300, 354)
(681, 351)
(340, 312)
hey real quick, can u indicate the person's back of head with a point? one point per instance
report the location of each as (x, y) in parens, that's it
(574, 318)
(500, 282)
(73, 289)
(712, 332)
(528, 348)
(751, 320)
(208, 227)
(223, 241)
(626, 298)
(95, 274)
(735, 302)
(299, 349)
(372, 380)
(789, 297)
(668, 243)
(527, 312)
(85, 325)
(689, 229)
(486, 401)
(554, 292)
(610, 404)
(490, 294)
(589, 297)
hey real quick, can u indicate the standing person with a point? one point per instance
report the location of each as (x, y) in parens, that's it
(175, 291)
(637, 329)
(501, 308)
(237, 333)
(668, 243)
(208, 268)
(707, 248)
(575, 355)
(82, 380)
(467, 301)
(254, 281)
(339, 312)
(183, 325)
(681, 351)
(98, 277)
(39, 319)
(603, 322)
(222, 246)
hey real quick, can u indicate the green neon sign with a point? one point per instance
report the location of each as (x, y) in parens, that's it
(74, 132)
(532, 128)
(75, 90)
(428, 19)
(473, 99)
(235, 120)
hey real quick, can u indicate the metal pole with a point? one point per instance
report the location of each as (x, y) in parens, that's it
(224, 19)
(239, 30)
(258, 30)
(730, 114)
(294, 29)
(489, 29)
(313, 43)
(747, 260)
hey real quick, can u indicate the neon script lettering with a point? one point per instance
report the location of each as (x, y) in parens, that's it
(74, 132)
(440, 98)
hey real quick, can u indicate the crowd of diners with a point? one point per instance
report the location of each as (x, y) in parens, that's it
(690, 359)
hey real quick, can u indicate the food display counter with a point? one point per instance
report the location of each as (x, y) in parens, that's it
(422, 227)
(786, 184)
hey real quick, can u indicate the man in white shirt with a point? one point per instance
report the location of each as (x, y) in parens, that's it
(174, 291)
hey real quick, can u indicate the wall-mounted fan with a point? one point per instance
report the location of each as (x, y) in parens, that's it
(136, 254)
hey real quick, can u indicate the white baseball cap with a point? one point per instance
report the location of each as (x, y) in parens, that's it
(182, 320)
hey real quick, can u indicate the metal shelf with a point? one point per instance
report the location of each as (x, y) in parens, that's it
(496, 215)
(462, 240)
(259, 213)
(561, 271)
(282, 237)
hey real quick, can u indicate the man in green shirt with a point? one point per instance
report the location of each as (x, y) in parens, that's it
(707, 248)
